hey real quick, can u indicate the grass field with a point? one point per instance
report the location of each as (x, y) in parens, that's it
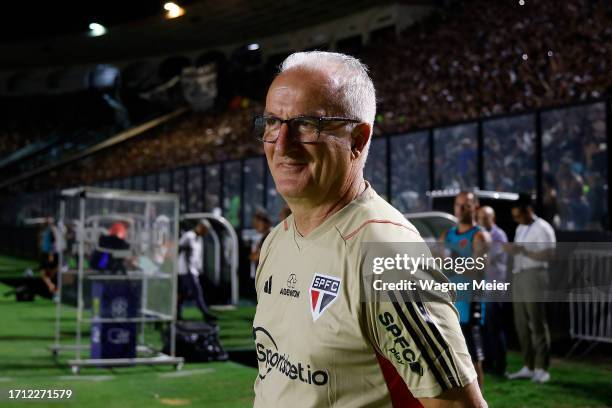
(11, 267)
(26, 329)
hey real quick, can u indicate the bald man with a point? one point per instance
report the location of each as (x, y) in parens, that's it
(466, 240)
(494, 333)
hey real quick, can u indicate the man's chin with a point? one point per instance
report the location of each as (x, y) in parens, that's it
(290, 193)
(291, 189)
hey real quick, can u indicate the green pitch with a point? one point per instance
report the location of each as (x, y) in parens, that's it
(27, 329)
(11, 267)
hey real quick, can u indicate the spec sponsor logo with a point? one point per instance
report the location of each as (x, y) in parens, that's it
(290, 289)
(269, 358)
(401, 350)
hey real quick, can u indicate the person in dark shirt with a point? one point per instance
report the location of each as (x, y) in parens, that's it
(110, 255)
(49, 256)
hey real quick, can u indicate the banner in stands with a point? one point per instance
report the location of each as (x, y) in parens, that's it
(200, 86)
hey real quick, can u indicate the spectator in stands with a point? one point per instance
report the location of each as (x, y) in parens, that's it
(574, 208)
(549, 201)
(434, 72)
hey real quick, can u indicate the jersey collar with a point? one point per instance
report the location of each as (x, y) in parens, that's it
(302, 242)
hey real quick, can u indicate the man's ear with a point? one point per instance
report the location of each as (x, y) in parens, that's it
(359, 138)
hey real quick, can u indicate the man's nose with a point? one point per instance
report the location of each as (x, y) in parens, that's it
(285, 141)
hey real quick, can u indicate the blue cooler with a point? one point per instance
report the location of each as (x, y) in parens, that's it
(114, 299)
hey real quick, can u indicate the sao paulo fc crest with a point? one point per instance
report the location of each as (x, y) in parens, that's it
(324, 290)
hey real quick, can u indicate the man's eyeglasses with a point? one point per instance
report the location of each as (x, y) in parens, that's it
(303, 129)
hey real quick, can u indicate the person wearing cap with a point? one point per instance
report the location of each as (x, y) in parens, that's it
(190, 266)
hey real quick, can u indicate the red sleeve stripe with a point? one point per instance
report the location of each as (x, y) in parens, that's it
(285, 225)
(399, 393)
(352, 234)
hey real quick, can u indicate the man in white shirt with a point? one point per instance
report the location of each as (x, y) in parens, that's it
(190, 266)
(529, 276)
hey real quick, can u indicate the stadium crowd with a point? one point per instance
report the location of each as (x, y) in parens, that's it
(479, 59)
(469, 60)
(193, 138)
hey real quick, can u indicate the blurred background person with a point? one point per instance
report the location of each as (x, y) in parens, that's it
(113, 250)
(263, 225)
(466, 240)
(190, 265)
(49, 255)
(550, 208)
(493, 331)
(529, 276)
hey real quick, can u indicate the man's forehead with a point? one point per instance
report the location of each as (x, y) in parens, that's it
(317, 78)
(306, 91)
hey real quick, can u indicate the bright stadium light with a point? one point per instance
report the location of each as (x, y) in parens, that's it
(253, 47)
(521, 2)
(525, 57)
(550, 53)
(96, 30)
(173, 10)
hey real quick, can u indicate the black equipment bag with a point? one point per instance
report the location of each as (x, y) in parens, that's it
(196, 341)
(23, 293)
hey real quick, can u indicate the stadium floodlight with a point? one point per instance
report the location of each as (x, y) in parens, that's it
(173, 10)
(525, 57)
(96, 30)
(253, 47)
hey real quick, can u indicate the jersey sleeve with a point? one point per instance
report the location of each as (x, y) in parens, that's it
(419, 335)
(423, 341)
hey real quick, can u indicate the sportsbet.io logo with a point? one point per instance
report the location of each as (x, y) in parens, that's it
(269, 358)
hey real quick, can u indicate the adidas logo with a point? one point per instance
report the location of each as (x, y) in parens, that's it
(268, 286)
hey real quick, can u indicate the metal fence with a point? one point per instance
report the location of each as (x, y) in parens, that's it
(591, 302)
